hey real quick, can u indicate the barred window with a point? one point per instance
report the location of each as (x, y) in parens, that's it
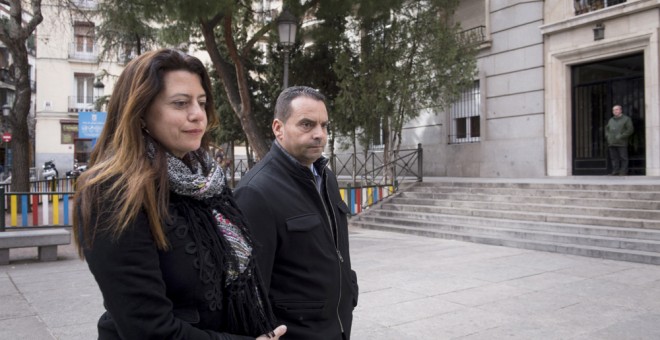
(465, 116)
(586, 6)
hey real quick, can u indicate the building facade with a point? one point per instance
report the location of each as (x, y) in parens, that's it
(71, 77)
(548, 75)
(599, 54)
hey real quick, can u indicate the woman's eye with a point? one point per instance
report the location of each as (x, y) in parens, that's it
(180, 104)
(202, 105)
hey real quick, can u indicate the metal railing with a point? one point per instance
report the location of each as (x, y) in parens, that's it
(586, 6)
(474, 35)
(368, 170)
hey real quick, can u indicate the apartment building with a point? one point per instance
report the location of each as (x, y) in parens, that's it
(548, 75)
(70, 76)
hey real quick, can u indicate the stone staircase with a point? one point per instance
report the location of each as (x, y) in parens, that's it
(614, 219)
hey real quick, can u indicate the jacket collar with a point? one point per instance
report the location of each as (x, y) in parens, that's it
(294, 166)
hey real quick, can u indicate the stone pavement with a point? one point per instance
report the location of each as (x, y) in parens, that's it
(411, 288)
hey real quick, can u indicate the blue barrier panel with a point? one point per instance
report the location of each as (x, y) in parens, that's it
(66, 209)
(24, 209)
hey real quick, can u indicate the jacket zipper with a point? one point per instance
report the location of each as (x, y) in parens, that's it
(335, 236)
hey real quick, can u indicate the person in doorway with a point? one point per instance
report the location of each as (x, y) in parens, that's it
(618, 131)
(156, 222)
(295, 211)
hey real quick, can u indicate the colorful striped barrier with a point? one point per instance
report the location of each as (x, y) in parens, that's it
(52, 207)
(359, 198)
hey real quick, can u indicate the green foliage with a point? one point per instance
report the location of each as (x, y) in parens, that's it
(408, 58)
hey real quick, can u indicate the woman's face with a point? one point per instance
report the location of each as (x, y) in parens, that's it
(177, 117)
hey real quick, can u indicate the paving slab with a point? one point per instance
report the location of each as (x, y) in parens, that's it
(411, 287)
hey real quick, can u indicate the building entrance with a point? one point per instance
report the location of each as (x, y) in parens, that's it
(596, 88)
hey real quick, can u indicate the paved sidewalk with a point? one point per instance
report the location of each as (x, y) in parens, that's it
(411, 288)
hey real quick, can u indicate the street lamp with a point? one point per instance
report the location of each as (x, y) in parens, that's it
(98, 87)
(287, 24)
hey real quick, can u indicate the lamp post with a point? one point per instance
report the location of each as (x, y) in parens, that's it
(287, 24)
(98, 87)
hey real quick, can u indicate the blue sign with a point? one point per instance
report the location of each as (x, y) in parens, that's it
(90, 124)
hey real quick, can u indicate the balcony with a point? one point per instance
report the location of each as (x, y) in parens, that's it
(586, 6)
(84, 52)
(81, 104)
(474, 35)
(86, 4)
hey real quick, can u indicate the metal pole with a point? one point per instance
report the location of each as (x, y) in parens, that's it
(2, 208)
(286, 68)
(420, 162)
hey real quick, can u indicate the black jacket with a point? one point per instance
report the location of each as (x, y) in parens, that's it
(153, 294)
(304, 255)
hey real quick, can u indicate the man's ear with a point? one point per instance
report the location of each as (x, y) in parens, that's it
(277, 128)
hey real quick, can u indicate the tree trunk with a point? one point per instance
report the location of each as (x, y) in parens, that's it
(235, 82)
(20, 142)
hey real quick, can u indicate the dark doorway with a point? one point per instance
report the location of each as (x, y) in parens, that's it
(596, 88)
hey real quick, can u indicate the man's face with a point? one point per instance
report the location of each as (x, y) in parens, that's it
(616, 111)
(305, 132)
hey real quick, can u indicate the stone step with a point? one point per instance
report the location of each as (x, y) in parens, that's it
(645, 214)
(583, 250)
(538, 199)
(573, 236)
(648, 195)
(584, 186)
(526, 216)
(581, 229)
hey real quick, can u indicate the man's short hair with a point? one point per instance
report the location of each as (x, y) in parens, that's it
(283, 104)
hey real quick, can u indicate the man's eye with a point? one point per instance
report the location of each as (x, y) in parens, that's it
(306, 125)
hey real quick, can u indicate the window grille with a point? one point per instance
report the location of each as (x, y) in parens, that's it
(465, 116)
(586, 6)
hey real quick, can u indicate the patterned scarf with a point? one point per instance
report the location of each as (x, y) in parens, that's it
(193, 183)
(199, 177)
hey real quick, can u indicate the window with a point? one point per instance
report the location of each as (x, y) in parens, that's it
(69, 132)
(84, 37)
(465, 116)
(586, 6)
(84, 90)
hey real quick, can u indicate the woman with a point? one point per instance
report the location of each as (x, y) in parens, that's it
(156, 223)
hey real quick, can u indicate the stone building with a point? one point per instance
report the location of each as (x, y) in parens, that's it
(548, 75)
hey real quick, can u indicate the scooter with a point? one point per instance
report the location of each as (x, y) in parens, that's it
(77, 170)
(49, 170)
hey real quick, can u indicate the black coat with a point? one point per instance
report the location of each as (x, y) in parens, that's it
(154, 294)
(304, 255)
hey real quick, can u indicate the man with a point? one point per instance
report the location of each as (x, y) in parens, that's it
(618, 131)
(294, 209)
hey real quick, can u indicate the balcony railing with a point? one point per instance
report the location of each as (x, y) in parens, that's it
(84, 52)
(586, 6)
(474, 35)
(81, 104)
(86, 4)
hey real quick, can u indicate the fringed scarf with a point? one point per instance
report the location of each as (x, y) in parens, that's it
(228, 246)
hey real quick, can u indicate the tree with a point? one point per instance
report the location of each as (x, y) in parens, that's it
(229, 31)
(409, 57)
(125, 29)
(14, 34)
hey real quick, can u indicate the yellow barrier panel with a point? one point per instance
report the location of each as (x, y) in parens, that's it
(370, 196)
(342, 192)
(14, 211)
(56, 209)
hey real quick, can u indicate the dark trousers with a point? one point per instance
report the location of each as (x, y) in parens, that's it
(619, 157)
